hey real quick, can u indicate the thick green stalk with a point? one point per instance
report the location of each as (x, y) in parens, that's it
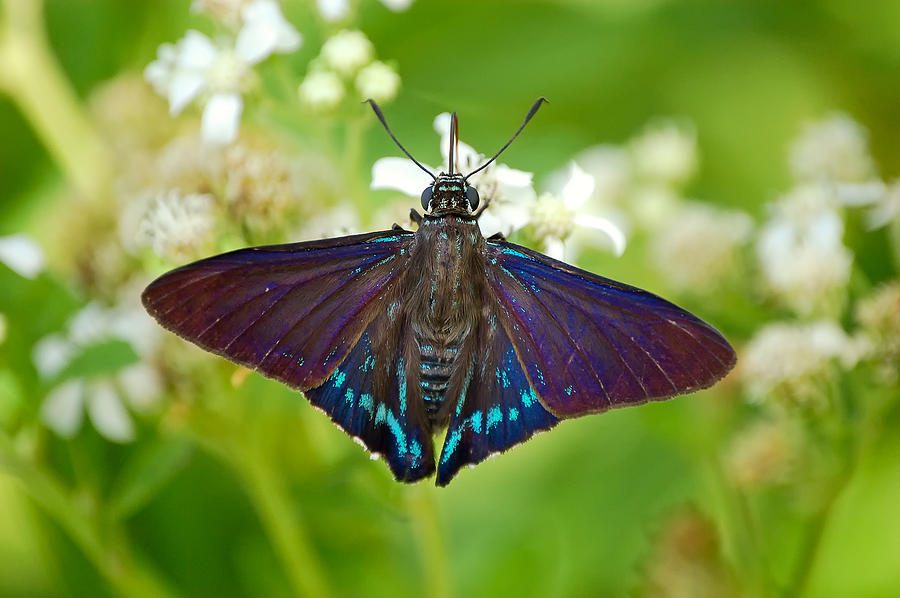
(427, 529)
(31, 75)
(288, 536)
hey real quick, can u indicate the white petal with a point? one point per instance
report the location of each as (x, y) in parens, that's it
(265, 31)
(51, 355)
(221, 118)
(400, 174)
(62, 410)
(142, 386)
(860, 194)
(490, 224)
(333, 10)
(22, 254)
(605, 226)
(554, 248)
(107, 413)
(578, 189)
(466, 157)
(512, 177)
(196, 51)
(397, 5)
(183, 88)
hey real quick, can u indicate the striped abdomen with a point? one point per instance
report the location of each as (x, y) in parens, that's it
(437, 365)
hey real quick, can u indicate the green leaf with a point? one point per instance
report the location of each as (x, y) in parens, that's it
(146, 474)
(99, 359)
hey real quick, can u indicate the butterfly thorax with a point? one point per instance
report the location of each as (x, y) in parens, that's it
(449, 196)
(443, 301)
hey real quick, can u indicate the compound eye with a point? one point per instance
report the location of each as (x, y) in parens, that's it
(472, 195)
(426, 197)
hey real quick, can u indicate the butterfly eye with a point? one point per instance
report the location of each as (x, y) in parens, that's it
(472, 195)
(426, 197)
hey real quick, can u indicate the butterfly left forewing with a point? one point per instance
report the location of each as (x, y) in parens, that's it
(293, 312)
(588, 343)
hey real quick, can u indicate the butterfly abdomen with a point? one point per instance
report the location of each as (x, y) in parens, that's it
(434, 377)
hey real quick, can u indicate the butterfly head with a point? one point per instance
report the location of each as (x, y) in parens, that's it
(450, 194)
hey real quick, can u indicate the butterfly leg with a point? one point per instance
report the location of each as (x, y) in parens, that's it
(415, 217)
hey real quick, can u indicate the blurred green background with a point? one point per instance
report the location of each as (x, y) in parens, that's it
(234, 486)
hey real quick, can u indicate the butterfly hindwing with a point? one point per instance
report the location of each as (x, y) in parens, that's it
(387, 417)
(588, 343)
(497, 407)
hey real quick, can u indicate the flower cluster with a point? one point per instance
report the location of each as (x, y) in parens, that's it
(347, 61)
(793, 362)
(218, 73)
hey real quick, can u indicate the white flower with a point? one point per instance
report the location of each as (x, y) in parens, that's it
(665, 152)
(195, 66)
(105, 402)
(347, 51)
(699, 246)
(509, 191)
(265, 32)
(804, 262)
(378, 81)
(556, 216)
(886, 209)
(397, 5)
(322, 90)
(792, 362)
(173, 225)
(762, 454)
(336, 10)
(22, 255)
(338, 221)
(227, 11)
(835, 148)
(333, 10)
(104, 396)
(879, 318)
(52, 354)
(611, 169)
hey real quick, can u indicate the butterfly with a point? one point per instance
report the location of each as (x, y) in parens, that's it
(398, 334)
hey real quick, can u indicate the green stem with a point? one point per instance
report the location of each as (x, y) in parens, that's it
(35, 81)
(240, 446)
(427, 529)
(353, 141)
(113, 561)
(287, 534)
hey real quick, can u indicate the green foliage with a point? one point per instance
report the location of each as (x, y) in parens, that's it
(776, 482)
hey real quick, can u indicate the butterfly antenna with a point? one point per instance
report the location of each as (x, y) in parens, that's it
(531, 113)
(397, 141)
(454, 142)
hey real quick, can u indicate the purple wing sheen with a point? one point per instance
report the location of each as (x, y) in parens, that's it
(293, 312)
(497, 407)
(589, 344)
(322, 317)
